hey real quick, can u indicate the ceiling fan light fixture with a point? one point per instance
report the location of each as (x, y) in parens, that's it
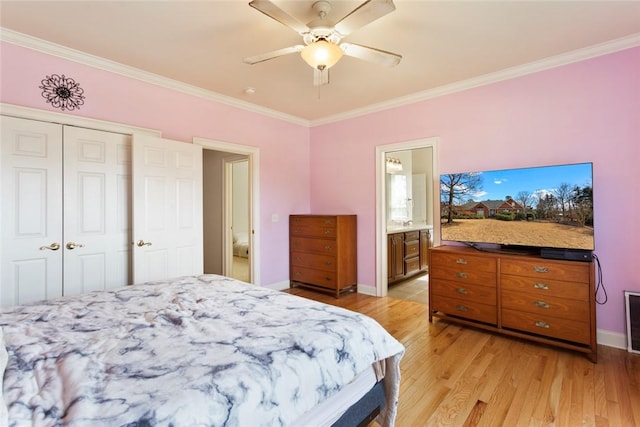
(321, 54)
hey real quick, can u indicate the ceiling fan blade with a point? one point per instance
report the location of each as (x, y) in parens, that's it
(274, 12)
(364, 14)
(273, 54)
(377, 56)
(320, 77)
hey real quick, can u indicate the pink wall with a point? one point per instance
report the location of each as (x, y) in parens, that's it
(584, 112)
(284, 178)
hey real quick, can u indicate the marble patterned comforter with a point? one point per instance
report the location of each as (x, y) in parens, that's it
(195, 351)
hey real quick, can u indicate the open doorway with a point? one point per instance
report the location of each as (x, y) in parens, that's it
(230, 195)
(410, 215)
(237, 215)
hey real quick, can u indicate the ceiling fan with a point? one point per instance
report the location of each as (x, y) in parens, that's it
(322, 47)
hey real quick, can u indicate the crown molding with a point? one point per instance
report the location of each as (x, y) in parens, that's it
(601, 49)
(49, 48)
(74, 55)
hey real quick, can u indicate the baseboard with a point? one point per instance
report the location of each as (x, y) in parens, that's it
(367, 290)
(611, 339)
(278, 286)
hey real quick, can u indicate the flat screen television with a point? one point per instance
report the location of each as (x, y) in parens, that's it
(526, 209)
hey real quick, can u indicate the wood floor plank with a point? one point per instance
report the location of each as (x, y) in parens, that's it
(459, 376)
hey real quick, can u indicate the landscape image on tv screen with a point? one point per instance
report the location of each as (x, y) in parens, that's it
(549, 206)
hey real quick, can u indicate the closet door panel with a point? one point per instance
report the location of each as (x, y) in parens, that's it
(31, 214)
(167, 210)
(97, 202)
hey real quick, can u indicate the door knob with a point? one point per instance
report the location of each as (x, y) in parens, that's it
(52, 247)
(142, 243)
(72, 245)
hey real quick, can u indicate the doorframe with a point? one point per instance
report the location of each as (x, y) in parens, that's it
(381, 201)
(253, 157)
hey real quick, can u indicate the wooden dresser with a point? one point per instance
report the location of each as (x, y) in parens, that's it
(322, 252)
(549, 301)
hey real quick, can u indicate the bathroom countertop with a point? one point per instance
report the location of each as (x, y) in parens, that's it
(392, 229)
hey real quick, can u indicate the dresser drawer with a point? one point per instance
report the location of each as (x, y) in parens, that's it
(325, 279)
(316, 261)
(313, 230)
(542, 268)
(546, 305)
(466, 292)
(554, 327)
(467, 262)
(411, 249)
(464, 308)
(544, 287)
(319, 246)
(463, 275)
(313, 225)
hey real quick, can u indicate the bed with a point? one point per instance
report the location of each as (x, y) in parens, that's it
(241, 244)
(195, 351)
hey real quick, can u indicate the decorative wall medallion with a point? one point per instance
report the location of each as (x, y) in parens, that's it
(62, 92)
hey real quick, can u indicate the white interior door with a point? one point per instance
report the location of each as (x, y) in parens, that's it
(97, 198)
(31, 214)
(167, 209)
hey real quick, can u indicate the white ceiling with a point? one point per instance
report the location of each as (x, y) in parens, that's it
(203, 43)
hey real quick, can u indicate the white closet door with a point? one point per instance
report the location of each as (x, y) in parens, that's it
(167, 209)
(31, 213)
(97, 197)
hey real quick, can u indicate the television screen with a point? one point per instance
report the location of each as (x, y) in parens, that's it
(538, 207)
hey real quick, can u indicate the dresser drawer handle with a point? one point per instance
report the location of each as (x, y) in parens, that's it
(540, 286)
(462, 275)
(328, 279)
(462, 291)
(328, 222)
(327, 231)
(461, 308)
(541, 304)
(541, 324)
(541, 269)
(328, 263)
(296, 230)
(298, 273)
(461, 261)
(298, 258)
(328, 247)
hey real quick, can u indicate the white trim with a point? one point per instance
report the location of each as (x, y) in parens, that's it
(69, 120)
(367, 290)
(278, 286)
(611, 339)
(50, 48)
(253, 154)
(381, 197)
(63, 52)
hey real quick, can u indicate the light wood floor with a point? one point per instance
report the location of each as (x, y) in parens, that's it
(457, 376)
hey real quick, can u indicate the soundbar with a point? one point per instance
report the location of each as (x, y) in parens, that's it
(566, 254)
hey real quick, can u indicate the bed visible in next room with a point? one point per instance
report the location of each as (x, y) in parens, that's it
(241, 244)
(205, 350)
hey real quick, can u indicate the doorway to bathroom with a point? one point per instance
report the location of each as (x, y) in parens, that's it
(406, 210)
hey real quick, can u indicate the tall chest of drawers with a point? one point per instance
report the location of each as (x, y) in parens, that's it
(543, 300)
(323, 252)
